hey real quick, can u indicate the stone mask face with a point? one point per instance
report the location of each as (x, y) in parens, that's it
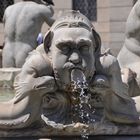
(72, 48)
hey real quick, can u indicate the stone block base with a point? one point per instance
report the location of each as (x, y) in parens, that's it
(73, 130)
(7, 76)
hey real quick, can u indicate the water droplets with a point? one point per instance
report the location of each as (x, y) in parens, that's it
(82, 109)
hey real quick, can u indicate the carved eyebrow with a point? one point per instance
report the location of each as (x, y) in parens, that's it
(84, 41)
(63, 42)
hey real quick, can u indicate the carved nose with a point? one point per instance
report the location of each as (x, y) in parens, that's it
(75, 58)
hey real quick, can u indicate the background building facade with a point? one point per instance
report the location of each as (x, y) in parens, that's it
(108, 16)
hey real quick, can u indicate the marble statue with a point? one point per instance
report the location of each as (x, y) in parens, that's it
(22, 24)
(69, 54)
(129, 55)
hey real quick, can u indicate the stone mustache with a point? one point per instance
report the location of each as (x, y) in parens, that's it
(71, 48)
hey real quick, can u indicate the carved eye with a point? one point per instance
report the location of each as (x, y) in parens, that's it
(84, 48)
(65, 49)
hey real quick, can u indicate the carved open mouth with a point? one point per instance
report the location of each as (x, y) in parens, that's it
(77, 74)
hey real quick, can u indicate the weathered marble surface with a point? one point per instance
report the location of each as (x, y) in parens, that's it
(129, 55)
(69, 66)
(73, 130)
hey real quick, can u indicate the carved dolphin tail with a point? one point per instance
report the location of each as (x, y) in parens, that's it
(21, 114)
(15, 123)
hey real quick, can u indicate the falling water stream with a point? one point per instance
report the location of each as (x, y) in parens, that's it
(83, 108)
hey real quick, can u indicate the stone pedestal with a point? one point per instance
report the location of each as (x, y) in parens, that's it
(7, 76)
(77, 130)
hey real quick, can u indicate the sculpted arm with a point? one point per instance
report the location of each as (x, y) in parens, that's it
(29, 81)
(133, 21)
(48, 13)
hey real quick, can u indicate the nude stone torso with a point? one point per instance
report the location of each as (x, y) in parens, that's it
(23, 22)
(129, 56)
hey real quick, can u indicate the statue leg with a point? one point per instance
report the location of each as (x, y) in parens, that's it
(20, 59)
(7, 56)
(21, 56)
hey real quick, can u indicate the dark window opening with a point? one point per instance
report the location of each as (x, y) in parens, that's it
(86, 7)
(134, 1)
(3, 5)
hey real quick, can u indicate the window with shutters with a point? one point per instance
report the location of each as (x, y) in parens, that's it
(86, 7)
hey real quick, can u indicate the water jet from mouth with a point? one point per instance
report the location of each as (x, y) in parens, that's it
(82, 108)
